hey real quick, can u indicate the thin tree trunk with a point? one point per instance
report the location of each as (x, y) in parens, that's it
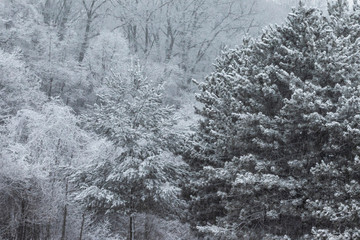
(157, 44)
(170, 40)
(50, 63)
(64, 20)
(147, 39)
(82, 226)
(63, 229)
(131, 228)
(46, 12)
(22, 228)
(85, 42)
(50, 88)
(134, 33)
(146, 228)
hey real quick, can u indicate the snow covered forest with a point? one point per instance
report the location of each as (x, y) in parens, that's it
(179, 119)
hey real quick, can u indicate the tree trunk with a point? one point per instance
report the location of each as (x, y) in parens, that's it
(85, 42)
(63, 229)
(50, 88)
(131, 228)
(146, 228)
(82, 226)
(157, 44)
(170, 40)
(147, 39)
(46, 12)
(134, 37)
(64, 20)
(21, 231)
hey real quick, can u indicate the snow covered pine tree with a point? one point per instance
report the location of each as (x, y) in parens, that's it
(143, 175)
(278, 145)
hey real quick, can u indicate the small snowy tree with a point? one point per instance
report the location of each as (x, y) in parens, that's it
(143, 175)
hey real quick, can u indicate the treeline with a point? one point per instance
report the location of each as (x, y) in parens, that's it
(96, 141)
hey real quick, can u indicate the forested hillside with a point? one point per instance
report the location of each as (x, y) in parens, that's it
(186, 119)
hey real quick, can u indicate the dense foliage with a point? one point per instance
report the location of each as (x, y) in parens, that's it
(143, 175)
(280, 132)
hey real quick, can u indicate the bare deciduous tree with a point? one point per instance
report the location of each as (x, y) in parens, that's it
(92, 9)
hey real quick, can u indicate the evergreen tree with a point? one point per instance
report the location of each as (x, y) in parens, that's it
(279, 132)
(143, 175)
